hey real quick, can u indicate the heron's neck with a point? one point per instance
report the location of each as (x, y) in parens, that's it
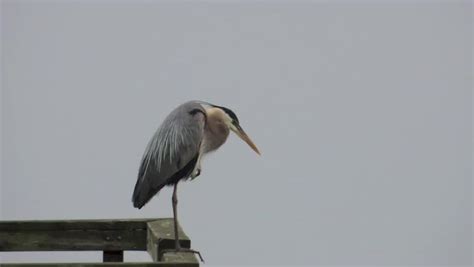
(216, 131)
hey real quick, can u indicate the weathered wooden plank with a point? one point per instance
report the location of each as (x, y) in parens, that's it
(119, 264)
(180, 257)
(161, 237)
(74, 235)
(154, 235)
(50, 240)
(36, 225)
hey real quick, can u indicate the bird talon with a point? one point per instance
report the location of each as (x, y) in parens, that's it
(192, 251)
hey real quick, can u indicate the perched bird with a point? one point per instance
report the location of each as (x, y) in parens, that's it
(175, 151)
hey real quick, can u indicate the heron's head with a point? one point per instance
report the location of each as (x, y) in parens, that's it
(230, 120)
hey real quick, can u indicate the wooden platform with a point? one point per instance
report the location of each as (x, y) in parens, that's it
(112, 237)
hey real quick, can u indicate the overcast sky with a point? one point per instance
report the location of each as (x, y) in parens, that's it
(362, 111)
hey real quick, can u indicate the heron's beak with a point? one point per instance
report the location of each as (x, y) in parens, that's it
(241, 133)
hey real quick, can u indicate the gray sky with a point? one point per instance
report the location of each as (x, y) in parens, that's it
(362, 112)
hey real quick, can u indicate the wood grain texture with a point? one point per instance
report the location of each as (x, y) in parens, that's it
(36, 225)
(110, 236)
(180, 257)
(73, 240)
(161, 237)
(74, 235)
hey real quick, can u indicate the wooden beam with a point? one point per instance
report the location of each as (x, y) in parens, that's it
(110, 236)
(186, 257)
(76, 240)
(112, 224)
(73, 235)
(160, 237)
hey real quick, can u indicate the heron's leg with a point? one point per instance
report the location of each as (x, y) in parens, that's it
(174, 200)
(178, 248)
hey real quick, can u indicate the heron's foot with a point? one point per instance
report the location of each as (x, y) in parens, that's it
(186, 250)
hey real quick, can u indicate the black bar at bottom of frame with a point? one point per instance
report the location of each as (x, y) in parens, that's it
(113, 256)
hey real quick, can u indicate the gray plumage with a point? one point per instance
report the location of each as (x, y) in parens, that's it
(172, 152)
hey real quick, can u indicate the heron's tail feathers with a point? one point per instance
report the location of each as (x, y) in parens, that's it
(142, 193)
(150, 180)
(137, 199)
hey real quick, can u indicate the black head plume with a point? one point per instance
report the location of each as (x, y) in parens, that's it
(231, 114)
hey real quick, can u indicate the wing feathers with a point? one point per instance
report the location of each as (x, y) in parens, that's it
(175, 143)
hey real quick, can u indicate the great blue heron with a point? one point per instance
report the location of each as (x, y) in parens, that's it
(176, 149)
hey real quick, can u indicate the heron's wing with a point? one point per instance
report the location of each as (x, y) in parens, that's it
(172, 152)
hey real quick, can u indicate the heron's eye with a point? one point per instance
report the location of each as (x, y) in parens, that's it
(196, 111)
